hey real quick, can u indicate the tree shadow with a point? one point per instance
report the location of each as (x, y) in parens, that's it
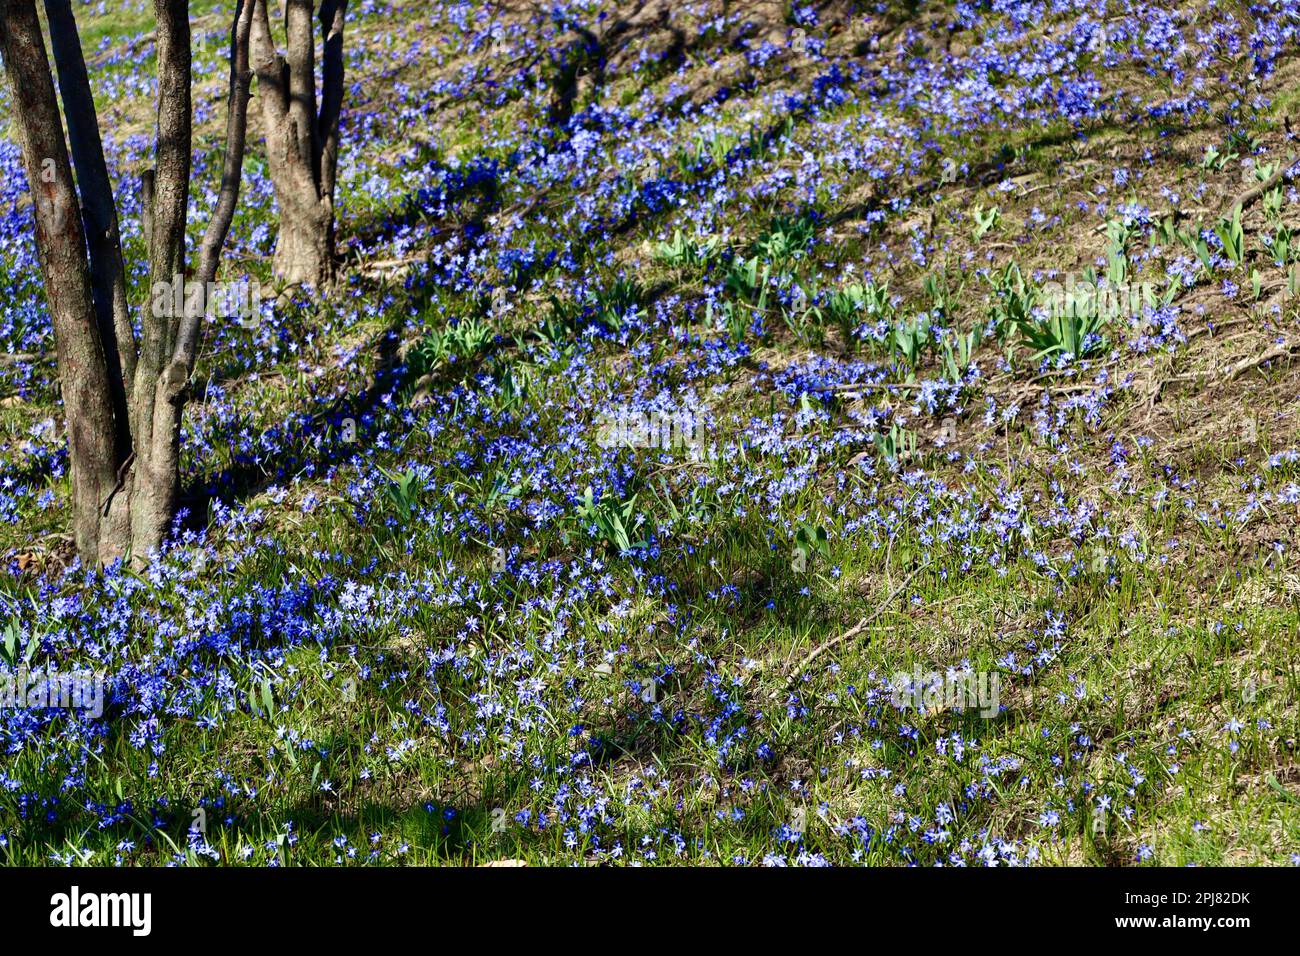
(332, 433)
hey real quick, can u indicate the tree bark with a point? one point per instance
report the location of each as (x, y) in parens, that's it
(123, 407)
(159, 382)
(99, 212)
(232, 171)
(61, 246)
(302, 143)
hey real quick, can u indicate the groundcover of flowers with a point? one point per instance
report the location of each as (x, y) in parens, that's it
(754, 434)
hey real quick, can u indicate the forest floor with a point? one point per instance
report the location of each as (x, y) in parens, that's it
(741, 434)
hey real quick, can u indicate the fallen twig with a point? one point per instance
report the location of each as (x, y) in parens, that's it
(851, 633)
(1213, 331)
(1245, 365)
(1254, 192)
(851, 387)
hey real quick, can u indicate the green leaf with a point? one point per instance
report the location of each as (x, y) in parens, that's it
(1283, 791)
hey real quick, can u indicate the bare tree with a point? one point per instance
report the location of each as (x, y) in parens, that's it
(302, 140)
(122, 399)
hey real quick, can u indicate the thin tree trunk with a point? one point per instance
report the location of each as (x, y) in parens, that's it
(241, 77)
(332, 13)
(99, 212)
(104, 247)
(301, 60)
(160, 382)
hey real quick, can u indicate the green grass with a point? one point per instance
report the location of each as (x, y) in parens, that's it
(736, 700)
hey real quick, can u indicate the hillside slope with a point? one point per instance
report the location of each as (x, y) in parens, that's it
(743, 434)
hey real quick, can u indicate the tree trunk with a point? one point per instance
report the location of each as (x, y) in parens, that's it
(304, 249)
(123, 408)
(99, 212)
(159, 381)
(61, 246)
(301, 143)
